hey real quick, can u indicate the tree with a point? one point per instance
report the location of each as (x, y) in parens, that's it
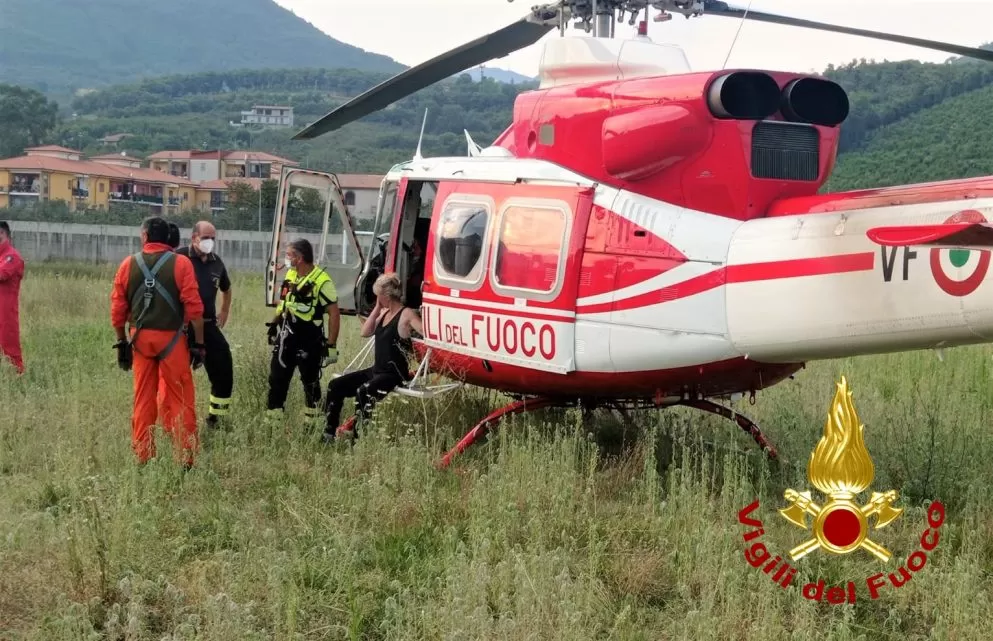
(26, 118)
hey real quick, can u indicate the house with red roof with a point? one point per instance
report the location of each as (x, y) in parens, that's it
(174, 180)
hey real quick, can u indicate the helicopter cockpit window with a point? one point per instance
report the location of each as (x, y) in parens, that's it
(461, 238)
(530, 251)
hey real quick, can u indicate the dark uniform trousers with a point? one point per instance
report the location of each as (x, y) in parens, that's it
(299, 344)
(366, 385)
(220, 370)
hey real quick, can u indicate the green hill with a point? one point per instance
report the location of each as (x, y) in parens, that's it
(195, 111)
(887, 92)
(61, 46)
(953, 139)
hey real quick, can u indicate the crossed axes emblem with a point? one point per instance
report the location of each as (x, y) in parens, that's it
(841, 514)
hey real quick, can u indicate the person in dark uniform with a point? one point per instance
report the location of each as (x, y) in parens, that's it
(392, 324)
(297, 332)
(212, 275)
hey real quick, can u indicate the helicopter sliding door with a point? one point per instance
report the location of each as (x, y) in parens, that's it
(502, 273)
(310, 205)
(378, 247)
(399, 238)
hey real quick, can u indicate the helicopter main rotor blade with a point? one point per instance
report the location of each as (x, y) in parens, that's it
(715, 8)
(520, 34)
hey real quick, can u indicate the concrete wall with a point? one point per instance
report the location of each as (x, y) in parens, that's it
(240, 250)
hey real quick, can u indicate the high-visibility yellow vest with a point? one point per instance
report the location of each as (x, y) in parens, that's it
(307, 297)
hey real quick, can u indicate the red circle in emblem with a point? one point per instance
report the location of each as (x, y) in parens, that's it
(841, 528)
(972, 283)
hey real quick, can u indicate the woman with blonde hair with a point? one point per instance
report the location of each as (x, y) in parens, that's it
(391, 323)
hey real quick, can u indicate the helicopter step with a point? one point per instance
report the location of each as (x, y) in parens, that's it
(530, 404)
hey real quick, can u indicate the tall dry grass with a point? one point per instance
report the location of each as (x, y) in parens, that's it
(539, 534)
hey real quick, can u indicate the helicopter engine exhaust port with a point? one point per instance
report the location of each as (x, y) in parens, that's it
(814, 101)
(743, 95)
(640, 143)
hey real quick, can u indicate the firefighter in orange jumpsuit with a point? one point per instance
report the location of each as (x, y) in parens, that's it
(155, 291)
(11, 273)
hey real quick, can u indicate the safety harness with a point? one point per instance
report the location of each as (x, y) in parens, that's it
(152, 285)
(288, 318)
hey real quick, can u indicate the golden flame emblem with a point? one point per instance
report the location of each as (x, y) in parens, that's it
(841, 468)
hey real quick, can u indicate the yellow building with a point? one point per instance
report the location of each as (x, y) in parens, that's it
(176, 181)
(55, 173)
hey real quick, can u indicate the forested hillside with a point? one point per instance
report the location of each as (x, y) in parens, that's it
(953, 139)
(59, 46)
(195, 111)
(884, 93)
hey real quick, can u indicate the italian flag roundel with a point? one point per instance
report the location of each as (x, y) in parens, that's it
(960, 271)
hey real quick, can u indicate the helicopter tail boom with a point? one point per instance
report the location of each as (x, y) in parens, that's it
(865, 281)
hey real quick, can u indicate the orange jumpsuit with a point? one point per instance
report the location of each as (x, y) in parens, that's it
(178, 411)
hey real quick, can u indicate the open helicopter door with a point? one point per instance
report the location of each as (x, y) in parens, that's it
(311, 205)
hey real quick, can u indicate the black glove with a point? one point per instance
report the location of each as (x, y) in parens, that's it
(197, 353)
(124, 354)
(273, 331)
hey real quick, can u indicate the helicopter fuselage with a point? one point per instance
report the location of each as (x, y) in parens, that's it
(540, 281)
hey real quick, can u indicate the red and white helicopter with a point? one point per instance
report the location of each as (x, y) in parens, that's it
(646, 236)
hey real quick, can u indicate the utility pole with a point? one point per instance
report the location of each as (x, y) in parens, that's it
(260, 192)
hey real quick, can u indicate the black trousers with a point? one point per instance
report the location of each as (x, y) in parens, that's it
(299, 346)
(365, 385)
(220, 370)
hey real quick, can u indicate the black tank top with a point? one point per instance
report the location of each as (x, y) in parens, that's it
(391, 349)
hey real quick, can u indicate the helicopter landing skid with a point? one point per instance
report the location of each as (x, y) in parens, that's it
(529, 404)
(481, 428)
(743, 422)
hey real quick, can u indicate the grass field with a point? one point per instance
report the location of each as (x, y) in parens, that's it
(540, 534)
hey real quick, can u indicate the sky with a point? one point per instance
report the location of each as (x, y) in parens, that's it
(412, 31)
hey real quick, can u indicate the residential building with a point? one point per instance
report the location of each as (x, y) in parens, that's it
(52, 172)
(212, 195)
(268, 115)
(361, 193)
(113, 139)
(175, 181)
(201, 166)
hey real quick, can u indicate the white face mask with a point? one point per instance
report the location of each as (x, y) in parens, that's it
(286, 263)
(207, 245)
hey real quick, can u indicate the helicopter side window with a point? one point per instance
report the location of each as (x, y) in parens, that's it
(461, 239)
(529, 255)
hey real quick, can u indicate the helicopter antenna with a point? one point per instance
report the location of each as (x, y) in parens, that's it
(417, 154)
(737, 33)
(474, 149)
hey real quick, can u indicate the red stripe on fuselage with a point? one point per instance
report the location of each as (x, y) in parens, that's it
(752, 272)
(821, 266)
